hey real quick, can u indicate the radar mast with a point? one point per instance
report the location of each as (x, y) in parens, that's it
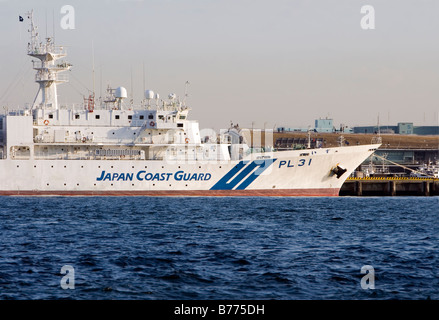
(48, 70)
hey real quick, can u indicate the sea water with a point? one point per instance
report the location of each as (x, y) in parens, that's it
(219, 248)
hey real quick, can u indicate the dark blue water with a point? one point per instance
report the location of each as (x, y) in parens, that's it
(219, 248)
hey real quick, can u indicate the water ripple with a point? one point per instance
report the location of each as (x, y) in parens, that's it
(219, 248)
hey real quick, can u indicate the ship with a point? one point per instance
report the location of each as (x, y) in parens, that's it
(112, 147)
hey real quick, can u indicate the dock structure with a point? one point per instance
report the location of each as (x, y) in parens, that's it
(393, 142)
(390, 186)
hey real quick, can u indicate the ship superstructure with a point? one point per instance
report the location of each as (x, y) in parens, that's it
(117, 148)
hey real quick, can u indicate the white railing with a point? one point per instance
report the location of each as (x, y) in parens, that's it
(41, 49)
(51, 77)
(82, 156)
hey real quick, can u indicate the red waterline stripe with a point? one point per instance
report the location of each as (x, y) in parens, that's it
(318, 192)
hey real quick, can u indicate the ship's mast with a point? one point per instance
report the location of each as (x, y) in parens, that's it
(47, 71)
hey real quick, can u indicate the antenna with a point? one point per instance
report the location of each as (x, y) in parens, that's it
(377, 139)
(185, 91)
(93, 65)
(46, 24)
(144, 87)
(100, 83)
(34, 33)
(132, 89)
(90, 102)
(53, 24)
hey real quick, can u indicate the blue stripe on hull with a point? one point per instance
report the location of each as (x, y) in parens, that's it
(241, 171)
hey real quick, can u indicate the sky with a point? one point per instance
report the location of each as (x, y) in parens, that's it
(257, 63)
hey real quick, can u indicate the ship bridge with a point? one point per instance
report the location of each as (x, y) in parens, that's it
(111, 127)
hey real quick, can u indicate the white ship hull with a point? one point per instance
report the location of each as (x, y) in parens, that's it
(286, 173)
(119, 148)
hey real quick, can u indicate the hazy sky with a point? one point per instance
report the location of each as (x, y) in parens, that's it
(271, 62)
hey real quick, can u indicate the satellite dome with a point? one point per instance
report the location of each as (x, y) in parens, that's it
(121, 92)
(149, 94)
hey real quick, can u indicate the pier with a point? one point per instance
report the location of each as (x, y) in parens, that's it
(390, 186)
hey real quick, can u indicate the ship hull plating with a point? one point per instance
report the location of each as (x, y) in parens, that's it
(287, 173)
